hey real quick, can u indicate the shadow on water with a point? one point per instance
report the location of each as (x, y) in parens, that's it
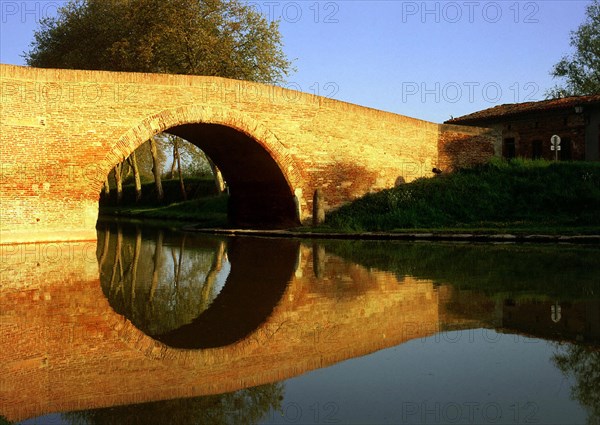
(193, 292)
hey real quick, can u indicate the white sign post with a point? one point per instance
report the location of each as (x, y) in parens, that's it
(555, 142)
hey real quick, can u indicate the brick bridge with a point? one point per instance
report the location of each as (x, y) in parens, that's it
(62, 131)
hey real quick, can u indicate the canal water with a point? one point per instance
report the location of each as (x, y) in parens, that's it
(155, 326)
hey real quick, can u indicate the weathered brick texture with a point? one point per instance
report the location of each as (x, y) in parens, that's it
(460, 146)
(61, 132)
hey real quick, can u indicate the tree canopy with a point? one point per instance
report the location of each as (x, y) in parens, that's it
(581, 70)
(223, 38)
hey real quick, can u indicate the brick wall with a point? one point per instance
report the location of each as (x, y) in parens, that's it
(61, 131)
(541, 127)
(461, 146)
(534, 128)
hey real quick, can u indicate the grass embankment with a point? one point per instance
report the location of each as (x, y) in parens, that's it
(520, 196)
(205, 208)
(208, 212)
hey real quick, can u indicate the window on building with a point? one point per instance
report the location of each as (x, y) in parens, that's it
(565, 149)
(536, 149)
(508, 150)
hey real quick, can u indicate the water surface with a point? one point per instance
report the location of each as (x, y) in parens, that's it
(151, 325)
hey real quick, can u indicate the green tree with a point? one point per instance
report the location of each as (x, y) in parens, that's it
(583, 364)
(224, 38)
(581, 70)
(190, 161)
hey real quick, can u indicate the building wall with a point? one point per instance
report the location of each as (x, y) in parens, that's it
(540, 128)
(531, 134)
(592, 135)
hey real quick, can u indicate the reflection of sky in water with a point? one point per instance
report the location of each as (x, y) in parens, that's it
(221, 277)
(196, 265)
(185, 288)
(472, 376)
(162, 290)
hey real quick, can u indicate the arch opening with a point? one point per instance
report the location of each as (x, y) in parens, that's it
(260, 195)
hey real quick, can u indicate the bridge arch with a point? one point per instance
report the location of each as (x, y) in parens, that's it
(57, 150)
(265, 183)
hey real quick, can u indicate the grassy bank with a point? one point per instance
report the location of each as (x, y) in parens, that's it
(204, 207)
(516, 196)
(195, 188)
(520, 196)
(206, 212)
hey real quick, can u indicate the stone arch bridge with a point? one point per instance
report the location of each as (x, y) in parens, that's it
(62, 131)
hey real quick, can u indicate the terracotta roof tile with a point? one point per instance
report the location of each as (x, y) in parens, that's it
(511, 109)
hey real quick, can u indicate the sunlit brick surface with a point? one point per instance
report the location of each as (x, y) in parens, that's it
(61, 132)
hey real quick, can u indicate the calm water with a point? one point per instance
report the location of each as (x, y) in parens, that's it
(152, 326)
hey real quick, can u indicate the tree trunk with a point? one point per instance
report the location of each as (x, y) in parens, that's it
(136, 259)
(157, 264)
(125, 170)
(117, 270)
(156, 170)
(118, 172)
(136, 175)
(172, 175)
(206, 292)
(175, 268)
(178, 263)
(106, 187)
(178, 157)
(105, 249)
(219, 182)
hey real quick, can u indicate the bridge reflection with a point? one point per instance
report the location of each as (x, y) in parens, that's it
(172, 317)
(193, 292)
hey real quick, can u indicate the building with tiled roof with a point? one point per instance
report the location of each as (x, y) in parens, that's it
(527, 128)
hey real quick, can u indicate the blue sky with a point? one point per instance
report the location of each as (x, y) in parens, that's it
(426, 59)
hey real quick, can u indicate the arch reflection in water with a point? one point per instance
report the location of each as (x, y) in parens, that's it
(65, 348)
(192, 292)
